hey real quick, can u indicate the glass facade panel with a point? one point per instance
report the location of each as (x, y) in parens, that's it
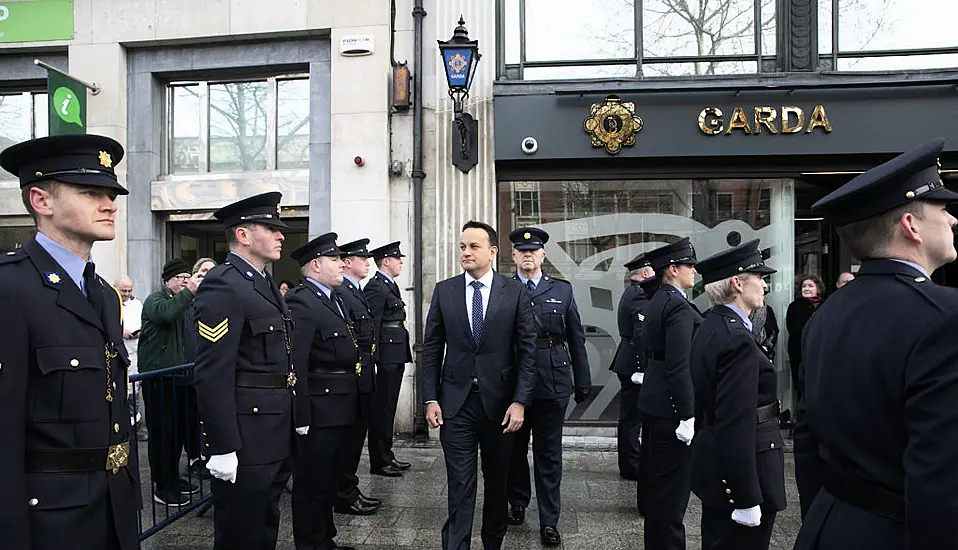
(567, 72)
(899, 62)
(699, 28)
(41, 117)
(688, 69)
(238, 126)
(185, 145)
(579, 29)
(292, 139)
(596, 226)
(23, 116)
(896, 24)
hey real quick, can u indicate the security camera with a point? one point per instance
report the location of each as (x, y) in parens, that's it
(529, 145)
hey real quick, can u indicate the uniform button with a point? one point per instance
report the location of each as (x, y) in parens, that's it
(116, 428)
(34, 502)
(771, 445)
(728, 491)
(74, 362)
(730, 501)
(724, 482)
(271, 327)
(114, 385)
(255, 409)
(327, 390)
(204, 434)
(335, 334)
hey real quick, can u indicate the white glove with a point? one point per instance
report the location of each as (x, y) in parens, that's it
(223, 467)
(749, 517)
(302, 430)
(686, 431)
(638, 377)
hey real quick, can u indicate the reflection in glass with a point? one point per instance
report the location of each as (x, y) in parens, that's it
(688, 69)
(596, 226)
(14, 124)
(185, 129)
(579, 29)
(238, 126)
(571, 72)
(41, 120)
(901, 62)
(292, 139)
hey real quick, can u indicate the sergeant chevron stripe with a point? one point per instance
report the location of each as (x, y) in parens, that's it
(213, 334)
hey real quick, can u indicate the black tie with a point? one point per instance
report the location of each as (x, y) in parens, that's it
(531, 286)
(94, 291)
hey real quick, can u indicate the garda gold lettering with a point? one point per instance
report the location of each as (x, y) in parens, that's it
(738, 122)
(765, 116)
(710, 121)
(819, 120)
(787, 113)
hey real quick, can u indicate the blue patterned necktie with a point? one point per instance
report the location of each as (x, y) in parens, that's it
(476, 312)
(531, 286)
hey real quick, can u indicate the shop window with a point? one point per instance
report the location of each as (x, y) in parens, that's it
(23, 116)
(243, 126)
(527, 205)
(592, 235)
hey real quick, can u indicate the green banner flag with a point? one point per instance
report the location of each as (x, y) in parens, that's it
(67, 103)
(35, 20)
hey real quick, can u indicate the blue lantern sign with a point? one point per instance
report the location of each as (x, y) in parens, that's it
(460, 56)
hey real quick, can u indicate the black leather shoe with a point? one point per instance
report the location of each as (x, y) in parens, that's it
(370, 501)
(388, 470)
(400, 465)
(357, 508)
(517, 514)
(550, 536)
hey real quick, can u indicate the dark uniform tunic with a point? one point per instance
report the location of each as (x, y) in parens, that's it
(392, 354)
(245, 397)
(54, 381)
(664, 490)
(352, 297)
(880, 431)
(630, 359)
(327, 354)
(737, 453)
(561, 364)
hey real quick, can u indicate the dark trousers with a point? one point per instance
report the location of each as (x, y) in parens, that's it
(347, 486)
(719, 532)
(314, 487)
(629, 428)
(246, 513)
(664, 484)
(544, 420)
(469, 431)
(388, 382)
(172, 420)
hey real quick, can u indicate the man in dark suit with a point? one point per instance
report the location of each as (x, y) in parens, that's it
(738, 461)
(562, 365)
(479, 372)
(392, 353)
(326, 353)
(879, 433)
(629, 363)
(666, 402)
(69, 477)
(349, 499)
(244, 377)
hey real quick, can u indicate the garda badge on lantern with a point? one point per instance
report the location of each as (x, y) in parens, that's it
(613, 124)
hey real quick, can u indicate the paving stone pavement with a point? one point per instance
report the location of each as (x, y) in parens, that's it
(598, 508)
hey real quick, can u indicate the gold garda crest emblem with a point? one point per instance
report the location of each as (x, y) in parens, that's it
(613, 124)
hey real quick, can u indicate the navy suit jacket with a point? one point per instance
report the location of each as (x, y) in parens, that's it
(504, 362)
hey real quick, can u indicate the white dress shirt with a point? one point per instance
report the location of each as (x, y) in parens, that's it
(485, 291)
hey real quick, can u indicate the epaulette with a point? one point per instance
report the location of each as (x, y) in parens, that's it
(13, 256)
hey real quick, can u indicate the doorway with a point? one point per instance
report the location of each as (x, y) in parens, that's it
(192, 240)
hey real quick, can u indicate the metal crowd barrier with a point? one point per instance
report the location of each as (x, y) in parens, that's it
(168, 409)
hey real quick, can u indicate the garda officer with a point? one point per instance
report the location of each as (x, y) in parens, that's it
(738, 465)
(562, 364)
(327, 353)
(349, 499)
(629, 363)
(392, 354)
(245, 377)
(69, 479)
(666, 402)
(880, 426)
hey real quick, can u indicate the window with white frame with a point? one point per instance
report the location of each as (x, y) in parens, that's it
(23, 116)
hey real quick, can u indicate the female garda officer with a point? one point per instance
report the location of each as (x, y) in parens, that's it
(737, 460)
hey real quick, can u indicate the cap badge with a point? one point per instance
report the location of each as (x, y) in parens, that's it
(54, 277)
(106, 160)
(527, 235)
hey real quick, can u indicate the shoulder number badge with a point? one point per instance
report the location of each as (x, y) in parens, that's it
(613, 124)
(213, 334)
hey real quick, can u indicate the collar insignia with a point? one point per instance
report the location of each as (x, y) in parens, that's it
(53, 277)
